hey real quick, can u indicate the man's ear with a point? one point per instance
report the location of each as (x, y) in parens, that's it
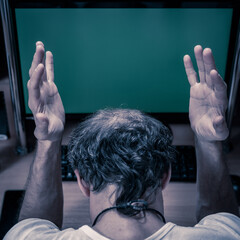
(84, 187)
(166, 178)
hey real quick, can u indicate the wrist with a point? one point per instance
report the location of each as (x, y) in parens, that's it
(209, 155)
(49, 143)
(57, 137)
(206, 144)
(205, 140)
(48, 148)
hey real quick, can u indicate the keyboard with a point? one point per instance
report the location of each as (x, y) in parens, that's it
(67, 172)
(183, 169)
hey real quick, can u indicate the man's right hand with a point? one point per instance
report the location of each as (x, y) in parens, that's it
(44, 99)
(208, 103)
(208, 97)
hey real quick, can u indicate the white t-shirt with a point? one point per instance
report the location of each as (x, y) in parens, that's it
(221, 226)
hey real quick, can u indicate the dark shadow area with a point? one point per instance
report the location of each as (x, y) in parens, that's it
(10, 210)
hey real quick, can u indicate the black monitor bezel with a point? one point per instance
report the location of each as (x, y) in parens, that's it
(172, 118)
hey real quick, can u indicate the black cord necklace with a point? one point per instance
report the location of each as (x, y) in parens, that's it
(137, 205)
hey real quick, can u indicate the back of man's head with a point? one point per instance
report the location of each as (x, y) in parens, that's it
(122, 147)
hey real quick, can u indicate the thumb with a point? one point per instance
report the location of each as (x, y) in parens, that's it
(41, 130)
(220, 127)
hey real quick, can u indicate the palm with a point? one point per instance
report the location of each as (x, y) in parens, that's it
(50, 104)
(208, 98)
(44, 99)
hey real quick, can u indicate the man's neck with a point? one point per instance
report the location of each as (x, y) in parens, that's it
(115, 225)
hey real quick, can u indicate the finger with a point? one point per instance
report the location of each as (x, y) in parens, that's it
(49, 66)
(217, 82)
(218, 121)
(191, 74)
(41, 130)
(34, 82)
(38, 57)
(209, 64)
(36, 76)
(198, 51)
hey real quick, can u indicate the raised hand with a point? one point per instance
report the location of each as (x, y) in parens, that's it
(208, 97)
(44, 99)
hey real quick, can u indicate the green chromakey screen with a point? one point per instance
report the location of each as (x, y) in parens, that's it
(128, 58)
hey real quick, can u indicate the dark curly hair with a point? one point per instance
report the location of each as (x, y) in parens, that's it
(123, 147)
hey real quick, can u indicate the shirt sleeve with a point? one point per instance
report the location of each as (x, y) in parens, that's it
(226, 224)
(38, 229)
(26, 228)
(219, 226)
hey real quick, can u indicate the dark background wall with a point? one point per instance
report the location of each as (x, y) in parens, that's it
(3, 62)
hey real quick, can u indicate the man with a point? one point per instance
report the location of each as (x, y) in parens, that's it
(122, 161)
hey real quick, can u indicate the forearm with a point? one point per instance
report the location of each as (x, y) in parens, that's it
(44, 194)
(214, 187)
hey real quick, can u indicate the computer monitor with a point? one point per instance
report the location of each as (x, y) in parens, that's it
(121, 54)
